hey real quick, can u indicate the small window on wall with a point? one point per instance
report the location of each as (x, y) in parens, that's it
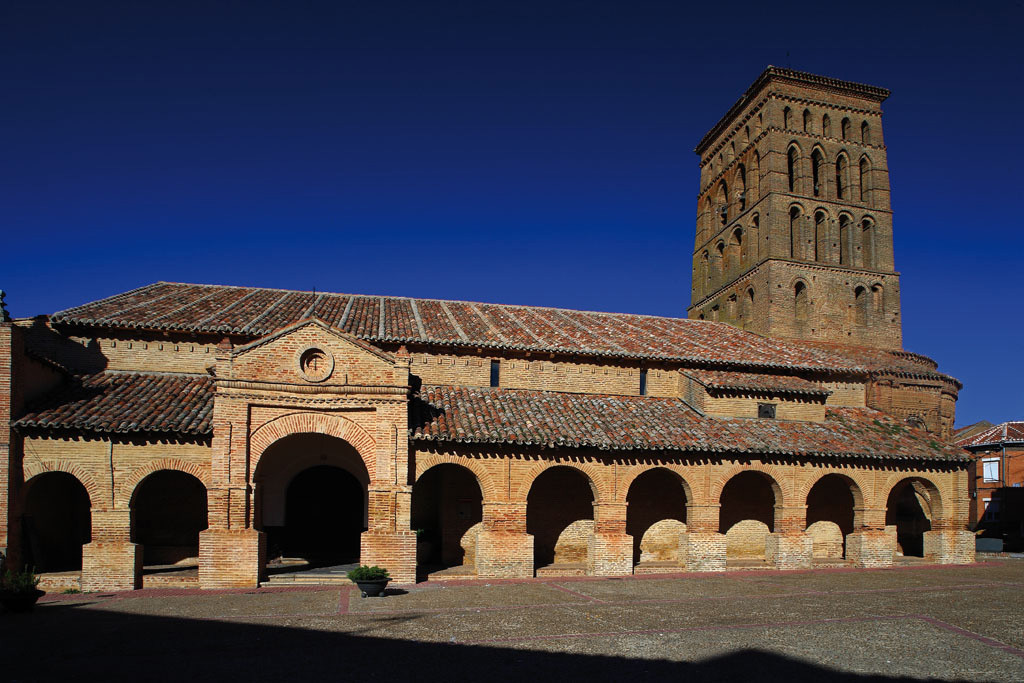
(643, 382)
(766, 410)
(991, 509)
(495, 373)
(990, 469)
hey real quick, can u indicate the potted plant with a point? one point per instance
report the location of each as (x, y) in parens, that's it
(18, 590)
(371, 580)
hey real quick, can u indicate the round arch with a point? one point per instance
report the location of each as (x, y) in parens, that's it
(125, 496)
(56, 521)
(169, 511)
(328, 424)
(489, 488)
(856, 487)
(594, 478)
(774, 476)
(447, 514)
(936, 497)
(33, 469)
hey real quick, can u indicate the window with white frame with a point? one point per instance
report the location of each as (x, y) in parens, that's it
(991, 509)
(990, 469)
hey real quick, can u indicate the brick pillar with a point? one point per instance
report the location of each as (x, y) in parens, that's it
(871, 544)
(231, 558)
(790, 546)
(701, 547)
(385, 543)
(610, 550)
(503, 548)
(944, 545)
(111, 562)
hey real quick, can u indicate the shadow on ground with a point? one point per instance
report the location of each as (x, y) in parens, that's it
(72, 642)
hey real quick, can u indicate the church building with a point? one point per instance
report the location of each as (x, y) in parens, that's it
(223, 435)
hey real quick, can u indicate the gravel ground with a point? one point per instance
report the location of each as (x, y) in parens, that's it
(928, 623)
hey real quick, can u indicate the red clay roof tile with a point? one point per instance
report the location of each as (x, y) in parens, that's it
(552, 419)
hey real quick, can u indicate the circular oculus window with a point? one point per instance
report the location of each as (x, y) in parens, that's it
(316, 364)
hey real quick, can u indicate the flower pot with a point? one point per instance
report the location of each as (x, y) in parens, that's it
(22, 601)
(372, 589)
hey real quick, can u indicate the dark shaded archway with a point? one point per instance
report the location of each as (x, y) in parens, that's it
(655, 497)
(559, 515)
(323, 515)
(447, 508)
(908, 508)
(747, 514)
(830, 515)
(311, 497)
(169, 512)
(56, 522)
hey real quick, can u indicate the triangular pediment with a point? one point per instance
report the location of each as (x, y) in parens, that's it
(312, 352)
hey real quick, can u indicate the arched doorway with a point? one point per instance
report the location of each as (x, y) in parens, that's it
(560, 516)
(169, 512)
(56, 522)
(656, 516)
(447, 509)
(311, 498)
(910, 510)
(830, 512)
(747, 516)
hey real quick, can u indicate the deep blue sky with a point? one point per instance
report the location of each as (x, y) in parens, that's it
(516, 152)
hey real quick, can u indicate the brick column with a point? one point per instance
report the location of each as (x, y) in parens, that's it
(111, 562)
(503, 548)
(610, 550)
(701, 547)
(948, 543)
(870, 544)
(385, 543)
(790, 547)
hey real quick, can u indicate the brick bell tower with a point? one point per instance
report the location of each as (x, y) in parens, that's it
(794, 227)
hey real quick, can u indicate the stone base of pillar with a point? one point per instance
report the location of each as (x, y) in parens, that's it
(610, 554)
(111, 566)
(789, 551)
(392, 550)
(702, 552)
(504, 555)
(871, 548)
(231, 558)
(949, 547)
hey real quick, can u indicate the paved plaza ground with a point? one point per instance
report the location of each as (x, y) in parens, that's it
(948, 623)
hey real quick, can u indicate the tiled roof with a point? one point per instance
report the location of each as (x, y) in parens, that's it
(255, 312)
(552, 420)
(1007, 432)
(750, 381)
(127, 402)
(884, 361)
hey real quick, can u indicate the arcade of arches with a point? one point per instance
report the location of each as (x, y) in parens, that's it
(310, 501)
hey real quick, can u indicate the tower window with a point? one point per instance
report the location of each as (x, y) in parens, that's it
(860, 306)
(865, 179)
(495, 373)
(786, 115)
(844, 129)
(791, 161)
(800, 301)
(817, 162)
(807, 121)
(826, 126)
(842, 176)
(766, 411)
(643, 381)
(865, 133)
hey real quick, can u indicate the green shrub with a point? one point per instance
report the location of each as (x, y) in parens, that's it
(365, 573)
(24, 581)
